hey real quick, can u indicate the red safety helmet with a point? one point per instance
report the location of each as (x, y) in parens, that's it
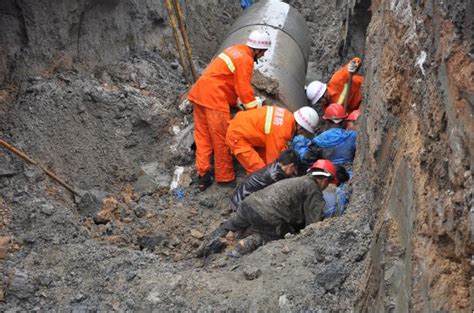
(328, 167)
(335, 112)
(353, 116)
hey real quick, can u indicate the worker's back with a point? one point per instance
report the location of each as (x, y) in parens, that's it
(217, 88)
(294, 201)
(249, 125)
(338, 145)
(336, 89)
(258, 125)
(257, 181)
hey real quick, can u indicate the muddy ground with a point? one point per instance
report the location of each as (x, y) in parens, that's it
(110, 123)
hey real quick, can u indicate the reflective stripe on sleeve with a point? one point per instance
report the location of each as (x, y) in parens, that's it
(227, 61)
(343, 94)
(268, 120)
(251, 105)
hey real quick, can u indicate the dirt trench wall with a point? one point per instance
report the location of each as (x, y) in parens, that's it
(418, 145)
(38, 37)
(89, 85)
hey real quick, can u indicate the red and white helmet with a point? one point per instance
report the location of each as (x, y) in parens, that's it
(307, 117)
(335, 112)
(324, 168)
(315, 91)
(259, 39)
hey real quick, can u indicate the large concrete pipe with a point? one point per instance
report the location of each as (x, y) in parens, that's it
(284, 65)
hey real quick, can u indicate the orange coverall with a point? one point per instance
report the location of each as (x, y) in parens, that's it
(227, 78)
(257, 137)
(337, 89)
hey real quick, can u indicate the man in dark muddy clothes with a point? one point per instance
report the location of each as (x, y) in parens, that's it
(284, 167)
(284, 207)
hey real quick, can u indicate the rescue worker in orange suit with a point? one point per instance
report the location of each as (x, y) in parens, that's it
(227, 78)
(337, 88)
(257, 137)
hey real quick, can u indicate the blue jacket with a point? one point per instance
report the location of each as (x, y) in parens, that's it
(338, 145)
(245, 3)
(336, 201)
(300, 144)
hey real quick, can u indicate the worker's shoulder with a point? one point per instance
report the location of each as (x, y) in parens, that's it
(331, 132)
(307, 180)
(239, 52)
(358, 79)
(298, 181)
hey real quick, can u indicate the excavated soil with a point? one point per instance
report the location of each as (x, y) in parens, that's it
(109, 123)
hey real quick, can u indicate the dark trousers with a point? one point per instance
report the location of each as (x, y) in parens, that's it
(246, 219)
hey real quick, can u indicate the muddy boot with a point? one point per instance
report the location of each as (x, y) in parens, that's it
(204, 181)
(246, 246)
(209, 247)
(212, 244)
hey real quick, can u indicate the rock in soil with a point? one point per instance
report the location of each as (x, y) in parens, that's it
(109, 209)
(20, 286)
(91, 202)
(251, 273)
(196, 234)
(285, 249)
(151, 242)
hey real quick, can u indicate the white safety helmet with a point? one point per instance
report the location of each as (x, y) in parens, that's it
(307, 117)
(259, 39)
(315, 91)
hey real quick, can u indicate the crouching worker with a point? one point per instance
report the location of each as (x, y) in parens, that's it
(337, 200)
(337, 89)
(257, 137)
(337, 143)
(284, 167)
(284, 207)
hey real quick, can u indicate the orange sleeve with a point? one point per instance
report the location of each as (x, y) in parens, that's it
(243, 84)
(341, 77)
(338, 87)
(356, 93)
(343, 74)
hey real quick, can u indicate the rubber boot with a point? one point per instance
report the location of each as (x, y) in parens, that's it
(204, 181)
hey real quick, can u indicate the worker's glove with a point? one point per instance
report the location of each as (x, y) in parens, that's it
(314, 153)
(260, 101)
(354, 65)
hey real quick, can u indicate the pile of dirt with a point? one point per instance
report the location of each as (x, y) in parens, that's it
(94, 130)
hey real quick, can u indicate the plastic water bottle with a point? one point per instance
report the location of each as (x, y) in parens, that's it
(179, 194)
